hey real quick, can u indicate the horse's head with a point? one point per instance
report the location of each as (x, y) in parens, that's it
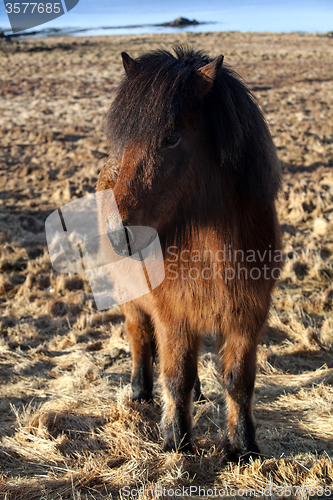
(157, 132)
(187, 137)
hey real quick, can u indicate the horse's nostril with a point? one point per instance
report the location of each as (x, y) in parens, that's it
(130, 236)
(122, 240)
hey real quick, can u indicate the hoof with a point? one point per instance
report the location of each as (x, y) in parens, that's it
(142, 397)
(169, 445)
(250, 455)
(236, 455)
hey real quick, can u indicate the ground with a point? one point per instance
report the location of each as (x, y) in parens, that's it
(68, 428)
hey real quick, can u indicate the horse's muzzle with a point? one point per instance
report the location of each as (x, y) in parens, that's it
(122, 240)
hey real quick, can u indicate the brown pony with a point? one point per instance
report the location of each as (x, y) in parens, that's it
(193, 159)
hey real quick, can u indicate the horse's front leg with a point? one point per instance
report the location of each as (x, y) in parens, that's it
(140, 332)
(178, 352)
(238, 360)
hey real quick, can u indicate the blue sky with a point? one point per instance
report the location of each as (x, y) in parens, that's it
(242, 15)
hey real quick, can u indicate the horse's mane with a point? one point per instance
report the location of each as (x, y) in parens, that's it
(161, 87)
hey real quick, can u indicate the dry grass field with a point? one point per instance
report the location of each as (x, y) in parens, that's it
(68, 428)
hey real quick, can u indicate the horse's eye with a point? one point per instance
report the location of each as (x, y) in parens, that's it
(171, 140)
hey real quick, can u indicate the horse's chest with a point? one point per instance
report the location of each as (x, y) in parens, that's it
(196, 293)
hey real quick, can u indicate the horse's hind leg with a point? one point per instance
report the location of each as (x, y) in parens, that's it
(178, 354)
(239, 367)
(140, 332)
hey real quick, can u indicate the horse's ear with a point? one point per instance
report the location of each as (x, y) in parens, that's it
(207, 74)
(128, 63)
